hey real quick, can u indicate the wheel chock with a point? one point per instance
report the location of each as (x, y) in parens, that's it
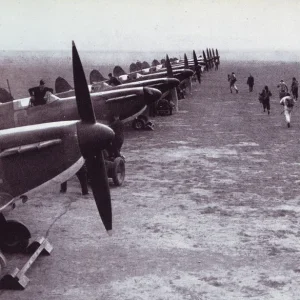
(17, 280)
(33, 247)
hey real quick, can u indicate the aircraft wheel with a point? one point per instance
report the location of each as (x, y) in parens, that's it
(138, 124)
(118, 174)
(15, 237)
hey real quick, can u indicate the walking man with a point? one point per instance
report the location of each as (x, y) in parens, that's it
(83, 179)
(283, 89)
(250, 82)
(232, 80)
(288, 104)
(294, 88)
(265, 96)
(117, 126)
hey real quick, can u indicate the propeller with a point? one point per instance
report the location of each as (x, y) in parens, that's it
(186, 62)
(197, 67)
(208, 60)
(93, 138)
(169, 68)
(205, 61)
(218, 56)
(213, 53)
(211, 58)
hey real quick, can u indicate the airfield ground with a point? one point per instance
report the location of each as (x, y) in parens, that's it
(209, 209)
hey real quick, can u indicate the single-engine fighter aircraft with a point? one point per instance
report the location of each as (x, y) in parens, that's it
(32, 157)
(181, 66)
(145, 74)
(164, 85)
(126, 103)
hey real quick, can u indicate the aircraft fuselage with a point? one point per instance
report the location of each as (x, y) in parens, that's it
(124, 103)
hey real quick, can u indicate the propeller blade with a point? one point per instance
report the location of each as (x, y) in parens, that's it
(205, 60)
(197, 67)
(93, 137)
(186, 62)
(99, 183)
(218, 56)
(207, 56)
(83, 99)
(169, 68)
(213, 53)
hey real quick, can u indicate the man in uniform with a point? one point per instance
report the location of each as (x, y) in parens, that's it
(283, 89)
(38, 93)
(250, 82)
(288, 104)
(118, 127)
(294, 88)
(83, 179)
(113, 81)
(232, 80)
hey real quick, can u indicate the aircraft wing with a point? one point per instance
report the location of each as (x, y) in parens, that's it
(32, 157)
(121, 99)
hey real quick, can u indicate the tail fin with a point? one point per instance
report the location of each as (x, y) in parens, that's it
(62, 85)
(5, 96)
(118, 71)
(96, 76)
(132, 68)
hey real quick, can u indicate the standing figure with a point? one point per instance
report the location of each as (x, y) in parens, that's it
(82, 177)
(232, 79)
(294, 88)
(113, 81)
(117, 126)
(283, 89)
(38, 93)
(265, 98)
(288, 104)
(250, 82)
(217, 64)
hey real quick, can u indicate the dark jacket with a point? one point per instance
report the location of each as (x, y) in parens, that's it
(250, 81)
(113, 81)
(39, 95)
(266, 95)
(118, 127)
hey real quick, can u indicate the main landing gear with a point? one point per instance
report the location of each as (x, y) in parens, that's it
(115, 168)
(142, 122)
(14, 236)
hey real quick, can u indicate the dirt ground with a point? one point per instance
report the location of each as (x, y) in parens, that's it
(209, 209)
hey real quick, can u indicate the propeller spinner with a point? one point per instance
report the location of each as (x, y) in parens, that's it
(93, 138)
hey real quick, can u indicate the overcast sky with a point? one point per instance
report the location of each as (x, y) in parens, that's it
(145, 25)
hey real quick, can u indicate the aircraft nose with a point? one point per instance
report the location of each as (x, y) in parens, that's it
(187, 73)
(93, 137)
(173, 82)
(151, 95)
